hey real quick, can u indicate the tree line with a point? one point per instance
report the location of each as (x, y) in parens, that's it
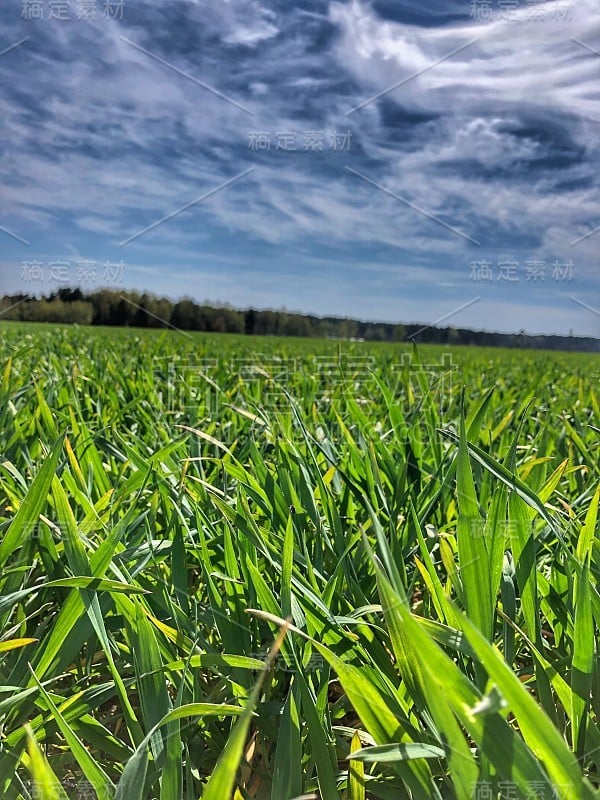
(144, 310)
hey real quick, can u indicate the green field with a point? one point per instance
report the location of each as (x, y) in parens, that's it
(270, 568)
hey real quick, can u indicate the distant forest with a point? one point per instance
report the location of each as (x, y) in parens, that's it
(110, 307)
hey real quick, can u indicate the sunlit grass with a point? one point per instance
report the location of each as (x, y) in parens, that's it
(414, 543)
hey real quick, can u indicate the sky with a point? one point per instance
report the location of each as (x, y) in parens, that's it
(390, 160)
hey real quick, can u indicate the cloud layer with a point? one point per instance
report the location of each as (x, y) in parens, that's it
(362, 199)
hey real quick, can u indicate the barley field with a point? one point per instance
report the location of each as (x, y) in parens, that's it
(268, 568)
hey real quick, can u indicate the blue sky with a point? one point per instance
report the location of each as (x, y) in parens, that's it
(379, 160)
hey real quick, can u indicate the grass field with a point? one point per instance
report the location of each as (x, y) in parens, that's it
(258, 568)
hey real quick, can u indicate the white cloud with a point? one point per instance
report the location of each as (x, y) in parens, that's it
(102, 140)
(505, 64)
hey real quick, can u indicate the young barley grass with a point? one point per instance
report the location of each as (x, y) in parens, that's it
(242, 568)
